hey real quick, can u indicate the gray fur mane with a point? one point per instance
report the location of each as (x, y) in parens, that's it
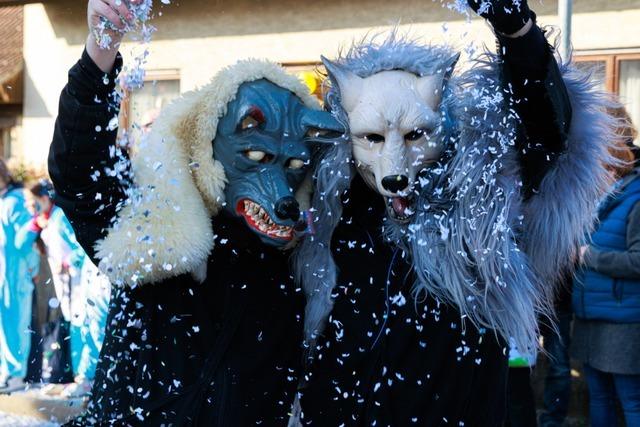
(465, 239)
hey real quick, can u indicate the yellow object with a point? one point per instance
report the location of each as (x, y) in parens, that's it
(309, 78)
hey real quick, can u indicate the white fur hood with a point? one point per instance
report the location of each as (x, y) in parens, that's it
(164, 229)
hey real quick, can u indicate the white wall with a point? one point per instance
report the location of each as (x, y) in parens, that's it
(200, 37)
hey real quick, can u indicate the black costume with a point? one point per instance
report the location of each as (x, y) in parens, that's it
(386, 359)
(225, 352)
(405, 364)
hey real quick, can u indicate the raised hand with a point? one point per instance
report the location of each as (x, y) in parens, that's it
(506, 16)
(108, 22)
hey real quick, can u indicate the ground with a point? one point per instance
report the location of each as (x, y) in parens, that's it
(31, 408)
(10, 420)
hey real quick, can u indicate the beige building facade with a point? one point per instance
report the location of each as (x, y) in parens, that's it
(197, 38)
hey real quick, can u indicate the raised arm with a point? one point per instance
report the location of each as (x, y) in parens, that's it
(85, 164)
(531, 73)
(563, 141)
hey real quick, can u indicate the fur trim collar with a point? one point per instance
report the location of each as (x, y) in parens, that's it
(164, 229)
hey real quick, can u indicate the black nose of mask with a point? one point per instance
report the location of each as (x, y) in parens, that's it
(287, 208)
(395, 183)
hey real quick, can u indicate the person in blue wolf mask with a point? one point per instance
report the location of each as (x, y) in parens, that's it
(462, 196)
(205, 321)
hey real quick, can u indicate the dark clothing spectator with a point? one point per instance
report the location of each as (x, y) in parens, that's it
(603, 389)
(606, 300)
(556, 341)
(557, 381)
(521, 404)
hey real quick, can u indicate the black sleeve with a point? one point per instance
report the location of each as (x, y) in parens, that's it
(88, 170)
(540, 97)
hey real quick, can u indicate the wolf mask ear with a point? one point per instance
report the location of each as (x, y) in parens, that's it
(431, 87)
(350, 84)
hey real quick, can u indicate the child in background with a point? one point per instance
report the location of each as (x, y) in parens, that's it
(63, 253)
(18, 266)
(88, 328)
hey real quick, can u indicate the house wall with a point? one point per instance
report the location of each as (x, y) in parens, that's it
(199, 37)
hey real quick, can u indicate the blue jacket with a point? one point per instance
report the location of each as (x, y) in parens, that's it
(602, 289)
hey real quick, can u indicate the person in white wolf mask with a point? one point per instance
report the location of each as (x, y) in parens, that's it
(489, 179)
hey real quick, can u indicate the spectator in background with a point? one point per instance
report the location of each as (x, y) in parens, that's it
(628, 132)
(65, 258)
(606, 302)
(148, 119)
(556, 332)
(521, 404)
(91, 318)
(20, 265)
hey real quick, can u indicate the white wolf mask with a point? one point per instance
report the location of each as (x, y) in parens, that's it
(395, 124)
(474, 241)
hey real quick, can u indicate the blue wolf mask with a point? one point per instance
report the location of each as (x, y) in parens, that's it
(264, 142)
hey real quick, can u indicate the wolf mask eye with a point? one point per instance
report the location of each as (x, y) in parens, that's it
(316, 133)
(374, 137)
(258, 156)
(296, 164)
(416, 134)
(253, 119)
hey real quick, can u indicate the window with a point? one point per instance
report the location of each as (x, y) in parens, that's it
(142, 106)
(629, 90)
(598, 70)
(620, 74)
(9, 121)
(5, 143)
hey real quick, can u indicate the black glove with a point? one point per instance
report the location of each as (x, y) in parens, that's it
(506, 16)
